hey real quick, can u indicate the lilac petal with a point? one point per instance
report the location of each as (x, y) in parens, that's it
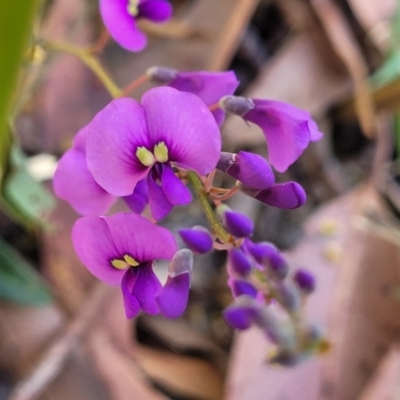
(159, 204)
(155, 10)
(174, 189)
(80, 139)
(181, 263)
(239, 263)
(122, 25)
(74, 183)
(185, 124)
(138, 237)
(237, 224)
(253, 170)
(241, 287)
(146, 288)
(173, 298)
(131, 304)
(209, 86)
(286, 195)
(115, 133)
(315, 133)
(198, 239)
(139, 198)
(286, 131)
(95, 248)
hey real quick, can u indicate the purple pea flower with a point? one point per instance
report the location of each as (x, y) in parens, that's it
(119, 17)
(209, 86)
(129, 142)
(121, 250)
(287, 129)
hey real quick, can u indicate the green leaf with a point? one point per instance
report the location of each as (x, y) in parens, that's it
(19, 282)
(388, 72)
(27, 200)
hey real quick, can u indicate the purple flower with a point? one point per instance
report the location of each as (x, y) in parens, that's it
(121, 250)
(287, 129)
(239, 263)
(305, 280)
(235, 223)
(250, 169)
(209, 86)
(198, 239)
(287, 195)
(119, 16)
(129, 142)
(74, 183)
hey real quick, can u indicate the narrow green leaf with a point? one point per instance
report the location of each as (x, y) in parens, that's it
(19, 282)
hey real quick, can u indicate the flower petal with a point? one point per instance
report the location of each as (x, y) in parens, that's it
(159, 204)
(131, 304)
(140, 238)
(74, 183)
(95, 248)
(286, 130)
(286, 195)
(155, 10)
(146, 288)
(115, 133)
(122, 25)
(185, 124)
(139, 198)
(173, 298)
(174, 189)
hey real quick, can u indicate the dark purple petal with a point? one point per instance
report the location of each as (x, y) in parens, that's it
(122, 25)
(305, 280)
(286, 195)
(131, 304)
(174, 189)
(155, 10)
(95, 248)
(74, 183)
(261, 251)
(173, 298)
(139, 198)
(253, 170)
(146, 288)
(138, 237)
(241, 287)
(198, 239)
(286, 130)
(185, 124)
(237, 224)
(209, 86)
(115, 133)
(159, 204)
(239, 263)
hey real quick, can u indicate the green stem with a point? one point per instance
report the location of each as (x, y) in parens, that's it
(216, 225)
(90, 61)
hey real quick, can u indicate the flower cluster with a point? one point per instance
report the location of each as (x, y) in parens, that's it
(146, 153)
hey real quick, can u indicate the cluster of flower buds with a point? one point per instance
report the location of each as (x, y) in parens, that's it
(147, 153)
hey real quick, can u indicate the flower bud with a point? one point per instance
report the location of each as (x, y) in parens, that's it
(276, 265)
(161, 75)
(198, 239)
(236, 105)
(260, 251)
(239, 263)
(305, 280)
(289, 296)
(240, 314)
(242, 287)
(235, 223)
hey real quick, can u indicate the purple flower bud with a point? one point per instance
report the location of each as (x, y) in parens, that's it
(277, 267)
(289, 296)
(239, 262)
(161, 75)
(240, 314)
(261, 251)
(250, 169)
(236, 105)
(198, 239)
(235, 223)
(288, 195)
(241, 287)
(305, 280)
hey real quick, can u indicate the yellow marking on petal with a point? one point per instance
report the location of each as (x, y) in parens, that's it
(133, 7)
(130, 260)
(145, 156)
(120, 264)
(161, 152)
